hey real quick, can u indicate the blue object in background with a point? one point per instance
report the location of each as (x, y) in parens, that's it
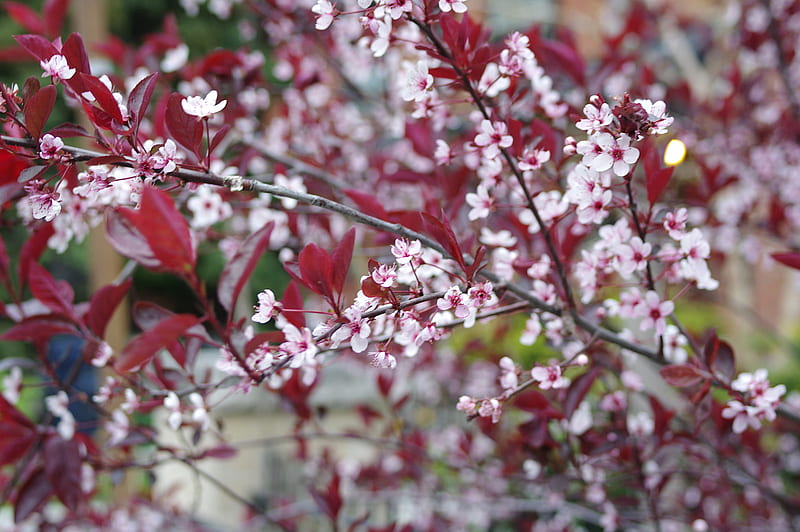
(64, 351)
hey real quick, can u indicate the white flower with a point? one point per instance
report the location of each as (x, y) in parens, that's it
(203, 107)
(57, 68)
(325, 13)
(457, 6)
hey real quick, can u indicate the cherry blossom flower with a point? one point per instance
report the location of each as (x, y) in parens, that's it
(596, 119)
(456, 300)
(382, 359)
(58, 406)
(406, 252)
(657, 114)
(299, 345)
(200, 412)
(12, 385)
(617, 154)
(490, 408)
(443, 155)
(173, 404)
(418, 82)
(397, 8)
(326, 11)
(655, 312)
(102, 355)
(533, 159)
(508, 374)
(493, 137)
(632, 258)
(549, 377)
(743, 416)
(203, 107)
(457, 6)
(43, 200)
(357, 330)
(207, 207)
(533, 328)
(481, 201)
(384, 275)
(266, 308)
(675, 223)
(50, 147)
(467, 405)
(117, 427)
(57, 68)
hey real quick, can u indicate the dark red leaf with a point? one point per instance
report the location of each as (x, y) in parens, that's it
(38, 108)
(165, 231)
(385, 381)
(124, 236)
(32, 249)
(4, 261)
(578, 390)
(329, 501)
(681, 375)
(316, 270)
(185, 129)
(531, 401)
(15, 441)
(69, 130)
(76, 55)
(142, 348)
(54, 12)
(54, 294)
(222, 452)
(219, 136)
(103, 304)
(441, 231)
(37, 46)
(657, 182)
(724, 365)
(103, 96)
(62, 465)
(25, 17)
(342, 256)
(32, 495)
(293, 305)
(36, 329)
(790, 259)
(139, 99)
(367, 203)
(237, 271)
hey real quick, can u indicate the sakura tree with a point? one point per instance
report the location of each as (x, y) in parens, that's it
(480, 223)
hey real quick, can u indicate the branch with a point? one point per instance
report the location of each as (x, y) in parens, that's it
(238, 183)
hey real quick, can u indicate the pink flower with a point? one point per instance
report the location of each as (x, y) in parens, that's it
(266, 308)
(299, 346)
(596, 118)
(418, 83)
(326, 12)
(467, 405)
(675, 223)
(508, 374)
(406, 252)
(492, 138)
(57, 68)
(382, 359)
(384, 275)
(481, 202)
(12, 385)
(617, 154)
(173, 404)
(655, 312)
(58, 405)
(533, 158)
(207, 207)
(456, 300)
(203, 107)
(43, 200)
(549, 377)
(50, 147)
(457, 6)
(398, 7)
(117, 427)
